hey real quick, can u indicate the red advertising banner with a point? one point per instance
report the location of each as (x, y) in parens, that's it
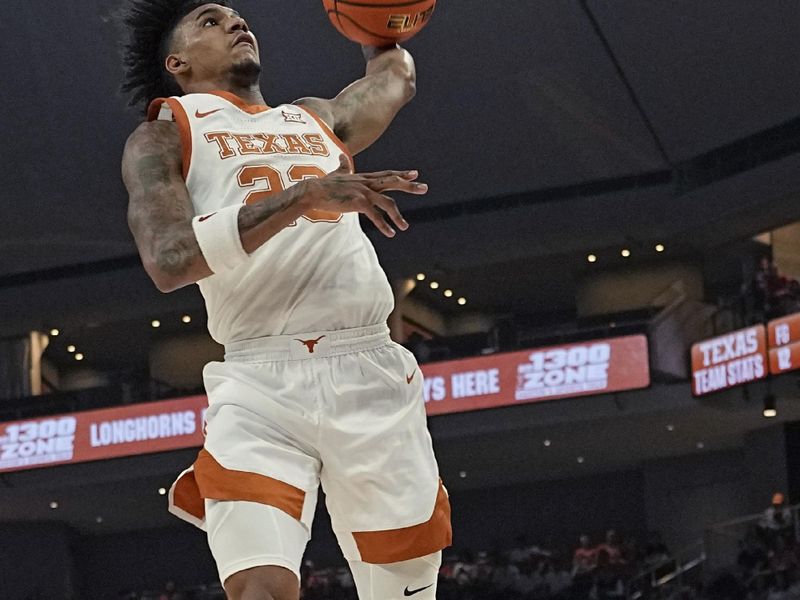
(784, 359)
(784, 331)
(729, 360)
(581, 369)
(101, 434)
(499, 380)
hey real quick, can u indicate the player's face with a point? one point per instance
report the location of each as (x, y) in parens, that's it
(216, 41)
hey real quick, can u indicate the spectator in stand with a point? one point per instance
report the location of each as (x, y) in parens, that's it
(763, 283)
(585, 557)
(656, 556)
(465, 568)
(607, 578)
(521, 552)
(584, 561)
(781, 557)
(776, 521)
(170, 593)
(613, 547)
(447, 570)
(631, 552)
(527, 581)
(482, 578)
(504, 575)
(773, 294)
(752, 554)
(558, 580)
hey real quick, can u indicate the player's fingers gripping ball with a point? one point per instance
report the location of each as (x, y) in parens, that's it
(379, 22)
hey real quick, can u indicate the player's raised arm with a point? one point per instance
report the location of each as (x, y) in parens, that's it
(364, 110)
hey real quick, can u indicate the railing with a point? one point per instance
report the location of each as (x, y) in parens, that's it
(719, 549)
(684, 568)
(723, 541)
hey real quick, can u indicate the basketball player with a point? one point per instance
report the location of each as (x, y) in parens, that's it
(259, 206)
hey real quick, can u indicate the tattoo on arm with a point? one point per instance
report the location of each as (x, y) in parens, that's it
(253, 215)
(364, 109)
(160, 210)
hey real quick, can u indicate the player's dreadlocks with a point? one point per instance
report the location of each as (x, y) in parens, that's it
(150, 24)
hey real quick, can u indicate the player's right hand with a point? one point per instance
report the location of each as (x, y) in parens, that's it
(342, 191)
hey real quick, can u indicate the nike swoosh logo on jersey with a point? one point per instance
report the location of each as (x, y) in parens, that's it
(201, 219)
(203, 115)
(409, 379)
(408, 592)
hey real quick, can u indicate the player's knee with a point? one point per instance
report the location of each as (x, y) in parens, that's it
(263, 583)
(415, 577)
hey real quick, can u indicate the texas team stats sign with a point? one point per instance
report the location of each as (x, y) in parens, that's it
(581, 369)
(729, 360)
(101, 434)
(784, 343)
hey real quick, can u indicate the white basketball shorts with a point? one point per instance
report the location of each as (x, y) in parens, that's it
(343, 409)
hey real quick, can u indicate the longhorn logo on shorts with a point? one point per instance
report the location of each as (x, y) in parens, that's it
(310, 344)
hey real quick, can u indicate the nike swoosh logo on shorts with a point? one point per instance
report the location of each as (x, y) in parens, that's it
(409, 379)
(201, 219)
(200, 115)
(408, 592)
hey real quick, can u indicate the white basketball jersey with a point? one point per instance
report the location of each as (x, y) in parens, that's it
(321, 273)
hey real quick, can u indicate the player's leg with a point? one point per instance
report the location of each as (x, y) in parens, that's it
(254, 485)
(258, 549)
(411, 578)
(263, 583)
(389, 510)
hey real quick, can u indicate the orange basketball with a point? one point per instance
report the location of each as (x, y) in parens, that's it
(379, 22)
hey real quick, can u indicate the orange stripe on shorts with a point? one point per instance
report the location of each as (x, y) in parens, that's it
(186, 496)
(215, 482)
(396, 545)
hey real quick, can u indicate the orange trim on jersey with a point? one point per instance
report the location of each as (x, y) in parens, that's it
(329, 132)
(396, 545)
(252, 109)
(215, 482)
(186, 496)
(180, 117)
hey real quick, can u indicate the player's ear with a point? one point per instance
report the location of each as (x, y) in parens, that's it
(175, 64)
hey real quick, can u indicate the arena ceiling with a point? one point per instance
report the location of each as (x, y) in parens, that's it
(630, 110)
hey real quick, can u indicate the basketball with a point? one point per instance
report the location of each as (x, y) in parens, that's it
(379, 22)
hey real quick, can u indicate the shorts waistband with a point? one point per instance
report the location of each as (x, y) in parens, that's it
(304, 346)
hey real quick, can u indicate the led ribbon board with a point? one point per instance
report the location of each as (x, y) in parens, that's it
(784, 344)
(101, 434)
(729, 360)
(580, 369)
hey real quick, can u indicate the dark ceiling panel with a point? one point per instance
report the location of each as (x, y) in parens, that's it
(509, 101)
(708, 72)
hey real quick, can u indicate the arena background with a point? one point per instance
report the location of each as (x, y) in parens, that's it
(549, 132)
